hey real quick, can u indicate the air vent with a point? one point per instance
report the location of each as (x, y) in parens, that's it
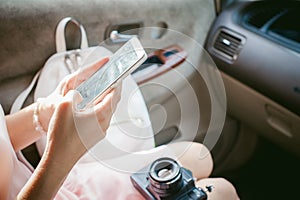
(228, 44)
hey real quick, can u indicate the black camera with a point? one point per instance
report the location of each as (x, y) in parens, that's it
(164, 179)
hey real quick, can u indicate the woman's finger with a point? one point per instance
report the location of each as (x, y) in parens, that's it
(105, 109)
(116, 91)
(81, 75)
(87, 72)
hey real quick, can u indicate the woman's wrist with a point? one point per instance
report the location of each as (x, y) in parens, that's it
(43, 112)
(36, 118)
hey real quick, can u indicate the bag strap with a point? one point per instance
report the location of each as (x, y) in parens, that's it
(19, 101)
(60, 34)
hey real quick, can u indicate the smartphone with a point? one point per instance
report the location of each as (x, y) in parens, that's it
(123, 62)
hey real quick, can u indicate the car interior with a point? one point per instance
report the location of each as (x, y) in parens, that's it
(222, 69)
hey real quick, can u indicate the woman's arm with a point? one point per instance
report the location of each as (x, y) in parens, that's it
(70, 134)
(58, 160)
(65, 146)
(21, 128)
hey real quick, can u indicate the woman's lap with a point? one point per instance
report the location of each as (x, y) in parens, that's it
(95, 179)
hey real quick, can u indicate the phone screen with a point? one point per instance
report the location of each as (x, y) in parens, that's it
(119, 65)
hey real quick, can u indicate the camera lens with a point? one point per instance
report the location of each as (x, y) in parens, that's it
(165, 177)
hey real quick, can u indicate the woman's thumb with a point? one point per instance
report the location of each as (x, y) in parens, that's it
(73, 96)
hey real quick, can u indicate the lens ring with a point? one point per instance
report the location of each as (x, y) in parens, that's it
(164, 170)
(165, 177)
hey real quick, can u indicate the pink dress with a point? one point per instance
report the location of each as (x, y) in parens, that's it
(87, 180)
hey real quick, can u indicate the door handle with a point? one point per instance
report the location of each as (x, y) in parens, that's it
(117, 37)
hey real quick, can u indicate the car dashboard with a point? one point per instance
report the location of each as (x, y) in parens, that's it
(256, 45)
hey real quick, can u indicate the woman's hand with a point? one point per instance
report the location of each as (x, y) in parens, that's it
(72, 132)
(70, 82)
(78, 130)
